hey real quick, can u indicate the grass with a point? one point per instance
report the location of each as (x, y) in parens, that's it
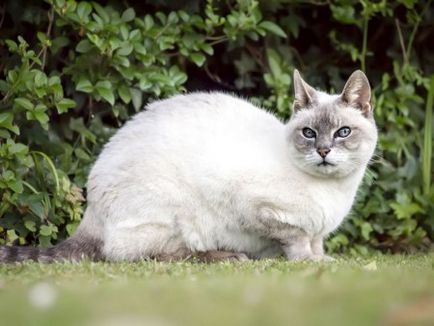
(387, 290)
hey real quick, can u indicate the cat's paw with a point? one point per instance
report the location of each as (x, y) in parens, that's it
(312, 257)
(216, 256)
(238, 256)
(328, 259)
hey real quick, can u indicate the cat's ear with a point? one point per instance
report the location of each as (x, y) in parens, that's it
(303, 93)
(357, 92)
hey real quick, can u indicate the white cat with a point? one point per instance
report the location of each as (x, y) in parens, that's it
(211, 176)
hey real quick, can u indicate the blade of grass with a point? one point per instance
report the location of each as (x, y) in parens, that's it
(51, 166)
(28, 185)
(427, 143)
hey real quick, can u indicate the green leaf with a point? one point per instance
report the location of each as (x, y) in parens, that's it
(135, 35)
(81, 154)
(39, 114)
(12, 235)
(78, 126)
(83, 46)
(17, 148)
(16, 186)
(84, 85)
(53, 80)
(101, 12)
(14, 129)
(57, 90)
(40, 108)
(274, 63)
(406, 210)
(44, 241)
(83, 11)
(161, 16)
(24, 103)
(6, 121)
(40, 79)
(125, 49)
(104, 89)
(45, 230)
(42, 117)
(124, 33)
(366, 229)
(8, 175)
(343, 14)
(183, 15)
(208, 49)
(12, 46)
(124, 94)
(58, 43)
(5, 118)
(123, 61)
(198, 59)
(98, 41)
(71, 228)
(30, 225)
(172, 18)
(137, 98)
(42, 37)
(128, 15)
(149, 22)
(139, 48)
(59, 3)
(4, 86)
(179, 78)
(64, 105)
(4, 134)
(146, 84)
(273, 28)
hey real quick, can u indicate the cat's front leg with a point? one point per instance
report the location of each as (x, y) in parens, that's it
(295, 242)
(297, 246)
(317, 245)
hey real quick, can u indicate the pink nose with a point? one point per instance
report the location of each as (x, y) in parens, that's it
(323, 151)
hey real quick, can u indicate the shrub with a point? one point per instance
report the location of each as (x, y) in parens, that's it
(72, 72)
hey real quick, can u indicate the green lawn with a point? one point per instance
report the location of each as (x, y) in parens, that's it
(387, 290)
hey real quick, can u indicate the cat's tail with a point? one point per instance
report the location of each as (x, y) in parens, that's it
(76, 248)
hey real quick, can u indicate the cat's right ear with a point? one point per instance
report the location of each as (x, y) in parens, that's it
(357, 92)
(303, 93)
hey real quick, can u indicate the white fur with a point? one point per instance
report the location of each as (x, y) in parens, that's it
(191, 170)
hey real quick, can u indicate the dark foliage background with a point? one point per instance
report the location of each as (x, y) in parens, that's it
(72, 72)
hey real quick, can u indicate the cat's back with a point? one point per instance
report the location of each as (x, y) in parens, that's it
(195, 128)
(201, 112)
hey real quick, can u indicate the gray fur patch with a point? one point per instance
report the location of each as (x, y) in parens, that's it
(75, 248)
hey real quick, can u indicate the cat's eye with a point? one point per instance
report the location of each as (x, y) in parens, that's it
(308, 133)
(343, 132)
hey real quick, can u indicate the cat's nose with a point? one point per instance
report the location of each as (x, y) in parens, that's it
(323, 151)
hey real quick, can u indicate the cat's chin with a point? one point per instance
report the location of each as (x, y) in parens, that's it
(326, 170)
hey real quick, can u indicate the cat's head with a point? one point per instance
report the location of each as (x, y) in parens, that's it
(332, 135)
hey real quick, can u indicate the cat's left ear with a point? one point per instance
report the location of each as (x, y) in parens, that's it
(303, 92)
(357, 92)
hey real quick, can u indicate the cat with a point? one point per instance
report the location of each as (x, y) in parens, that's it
(211, 176)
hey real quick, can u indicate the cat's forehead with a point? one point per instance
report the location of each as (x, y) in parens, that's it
(328, 114)
(322, 98)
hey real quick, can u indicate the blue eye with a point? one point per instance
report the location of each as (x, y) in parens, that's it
(343, 132)
(308, 133)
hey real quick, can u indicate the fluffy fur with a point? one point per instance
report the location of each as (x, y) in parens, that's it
(211, 175)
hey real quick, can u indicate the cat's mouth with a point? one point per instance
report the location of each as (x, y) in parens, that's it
(325, 163)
